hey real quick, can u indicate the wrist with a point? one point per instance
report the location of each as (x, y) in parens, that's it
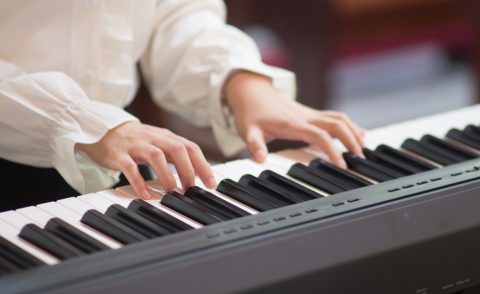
(86, 147)
(242, 85)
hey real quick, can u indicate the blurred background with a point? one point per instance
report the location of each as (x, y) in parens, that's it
(380, 61)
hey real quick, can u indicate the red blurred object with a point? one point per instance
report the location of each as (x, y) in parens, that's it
(319, 33)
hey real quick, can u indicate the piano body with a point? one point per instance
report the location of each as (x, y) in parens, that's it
(396, 222)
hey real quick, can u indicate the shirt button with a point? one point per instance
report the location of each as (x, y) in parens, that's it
(90, 4)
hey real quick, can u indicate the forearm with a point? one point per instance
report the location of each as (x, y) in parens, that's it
(42, 117)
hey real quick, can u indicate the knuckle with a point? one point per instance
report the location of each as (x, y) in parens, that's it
(323, 135)
(154, 153)
(176, 148)
(129, 166)
(339, 127)
(285, 124)
(193, 147)
(343, 116)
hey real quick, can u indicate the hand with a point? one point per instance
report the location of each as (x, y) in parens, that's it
(262, 115)
(132, 143)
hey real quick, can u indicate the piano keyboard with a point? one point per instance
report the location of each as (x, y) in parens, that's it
(50, 233)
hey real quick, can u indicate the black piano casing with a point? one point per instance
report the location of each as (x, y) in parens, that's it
(421, 239)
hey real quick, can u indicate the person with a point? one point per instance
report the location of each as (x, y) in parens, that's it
(68, 70)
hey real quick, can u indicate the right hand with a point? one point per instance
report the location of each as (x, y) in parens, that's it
(133, 143)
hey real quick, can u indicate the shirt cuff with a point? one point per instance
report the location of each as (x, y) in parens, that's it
(85, 122)
(223, 124)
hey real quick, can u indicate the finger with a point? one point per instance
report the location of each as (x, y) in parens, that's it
(130, 169)
(200, 163)
(320, 139)
(179, 155)
(359, 132)
(256, 144)
(340, 130)
(155, 158)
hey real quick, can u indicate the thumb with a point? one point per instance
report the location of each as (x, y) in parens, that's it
(256, 144)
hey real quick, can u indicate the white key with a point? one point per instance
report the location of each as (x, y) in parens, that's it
(128, 192)
(155, 191)
(436, 125)
(41, 217)
(36, 215)
(289, 157)
(15, 219)
(280, 164)
(255, 169)
(11, 234)
(218, 179)
(75, 205)
(73, 218)
(116, 197)
(96, 201)
(232, 170)
(230, 200)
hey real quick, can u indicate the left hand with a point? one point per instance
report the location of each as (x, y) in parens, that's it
(262, 115)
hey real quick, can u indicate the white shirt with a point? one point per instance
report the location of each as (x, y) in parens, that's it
(68, 68)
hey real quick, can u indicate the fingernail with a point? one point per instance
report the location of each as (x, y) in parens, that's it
(343, 164)
(145, 194)
(260, 155)
(211, 183)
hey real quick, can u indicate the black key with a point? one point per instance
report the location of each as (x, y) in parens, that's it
(266, 188)
(74, 236)
(288, 186)
(309, 176)
(428, 152)
(463, 138)
(338, 176)
(49, 242)
(182, 205)
(369, 169)
(111, 227)
(17, 255)
(158, 216)
(200, 206)
(7, 267)
(237, 192)
(258, 188)
(135, 222)
(473, 131)
(215, 203)
(454, 151)
(415, 164)
(386, 162)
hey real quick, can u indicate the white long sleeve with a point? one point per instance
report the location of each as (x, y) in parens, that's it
(191, 54)
(43, 115)
(68, 68)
